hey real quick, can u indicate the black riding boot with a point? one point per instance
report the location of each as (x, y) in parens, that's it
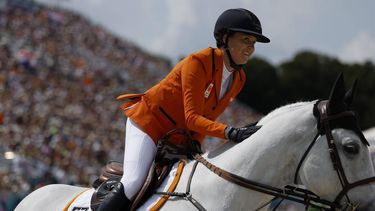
(115, 200)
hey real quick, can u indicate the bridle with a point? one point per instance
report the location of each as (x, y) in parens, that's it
(300, 195)
(324, 126)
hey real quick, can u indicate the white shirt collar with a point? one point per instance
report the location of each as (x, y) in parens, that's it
(226, 73)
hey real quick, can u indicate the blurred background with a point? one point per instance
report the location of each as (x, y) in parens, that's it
(63, 62)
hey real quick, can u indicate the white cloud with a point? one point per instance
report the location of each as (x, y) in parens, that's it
(287, 23)
(181, 18)
(176, 28)
(359, 49)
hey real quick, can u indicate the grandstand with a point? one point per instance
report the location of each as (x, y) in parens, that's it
(59, 77)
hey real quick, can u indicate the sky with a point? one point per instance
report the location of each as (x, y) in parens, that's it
(343, 29)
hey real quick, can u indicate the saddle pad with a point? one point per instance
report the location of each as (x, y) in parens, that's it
(81, 202)
(169, 185)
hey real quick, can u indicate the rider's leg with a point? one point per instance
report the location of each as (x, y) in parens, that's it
(140, 151)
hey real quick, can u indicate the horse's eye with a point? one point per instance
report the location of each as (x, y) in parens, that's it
(352, 148)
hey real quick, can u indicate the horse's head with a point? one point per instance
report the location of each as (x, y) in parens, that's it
(339, 155)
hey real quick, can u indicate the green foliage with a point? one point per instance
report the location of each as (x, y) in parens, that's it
(307, 76)
(262, 86)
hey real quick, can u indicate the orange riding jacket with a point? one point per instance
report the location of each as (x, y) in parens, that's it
(187, 98)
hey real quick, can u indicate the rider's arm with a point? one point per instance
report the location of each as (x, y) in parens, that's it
(193, 87)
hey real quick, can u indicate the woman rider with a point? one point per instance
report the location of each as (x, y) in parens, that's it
(190, 97)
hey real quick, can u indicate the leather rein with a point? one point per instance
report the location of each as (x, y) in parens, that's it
(297, 194)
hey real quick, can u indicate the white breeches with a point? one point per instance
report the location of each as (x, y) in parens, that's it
(140, 151)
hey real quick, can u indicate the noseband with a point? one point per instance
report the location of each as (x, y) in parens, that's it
(326, 122)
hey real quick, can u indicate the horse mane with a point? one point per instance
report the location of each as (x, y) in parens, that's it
(284, 110)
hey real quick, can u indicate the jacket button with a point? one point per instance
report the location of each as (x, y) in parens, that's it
(213, 107)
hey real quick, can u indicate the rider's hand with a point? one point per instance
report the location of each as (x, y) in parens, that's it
(197, 147)
(239, 134)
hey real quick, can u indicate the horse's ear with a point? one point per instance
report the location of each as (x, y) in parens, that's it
(349, 96)
(336, 98)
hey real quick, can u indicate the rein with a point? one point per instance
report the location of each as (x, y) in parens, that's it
(290, 192)
(297, 194)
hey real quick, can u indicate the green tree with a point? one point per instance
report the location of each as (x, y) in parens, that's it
(364, 101)
(308, 76)
(261, 91)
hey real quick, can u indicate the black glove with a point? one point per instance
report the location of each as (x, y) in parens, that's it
(239, 134)
(196, 147)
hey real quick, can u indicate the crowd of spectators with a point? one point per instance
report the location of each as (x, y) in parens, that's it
(59, 77)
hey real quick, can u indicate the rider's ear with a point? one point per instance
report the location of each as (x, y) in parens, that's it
(336, 98)
(350, 94)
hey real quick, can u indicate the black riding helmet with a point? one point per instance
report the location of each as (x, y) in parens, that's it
(237, 20)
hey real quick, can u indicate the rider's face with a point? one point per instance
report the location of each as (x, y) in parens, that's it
(241, 47)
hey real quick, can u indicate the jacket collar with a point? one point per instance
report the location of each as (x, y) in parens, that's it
(238, 78)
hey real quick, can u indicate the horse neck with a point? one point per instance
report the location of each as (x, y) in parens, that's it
(271, 155)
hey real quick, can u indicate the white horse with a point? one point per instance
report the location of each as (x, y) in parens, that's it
(370, 135)
(270, 156)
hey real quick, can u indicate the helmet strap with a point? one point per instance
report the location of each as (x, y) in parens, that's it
(231, 62)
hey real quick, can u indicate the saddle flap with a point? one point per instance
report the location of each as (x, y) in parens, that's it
(155, 177)
(111, 174)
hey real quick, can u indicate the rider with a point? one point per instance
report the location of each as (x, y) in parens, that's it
(190, 97)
